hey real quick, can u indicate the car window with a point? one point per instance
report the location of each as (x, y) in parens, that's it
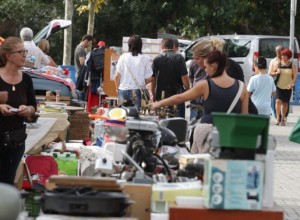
(267, 46)
(237, 47)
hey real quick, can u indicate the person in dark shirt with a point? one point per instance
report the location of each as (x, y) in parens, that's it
(218, 91)
(170, 75)
(20, 103)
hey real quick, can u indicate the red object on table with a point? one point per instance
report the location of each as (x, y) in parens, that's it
(190, 213)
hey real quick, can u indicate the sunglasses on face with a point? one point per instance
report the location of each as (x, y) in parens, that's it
(21, 52)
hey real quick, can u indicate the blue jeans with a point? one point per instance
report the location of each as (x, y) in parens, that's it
(194, 112)
(181, 110)
(127, 96)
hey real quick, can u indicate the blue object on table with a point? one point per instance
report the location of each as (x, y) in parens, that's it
(72, 71)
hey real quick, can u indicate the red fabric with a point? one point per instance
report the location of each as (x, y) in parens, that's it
(44, 166)
(93, 100)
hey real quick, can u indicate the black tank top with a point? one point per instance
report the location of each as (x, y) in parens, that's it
(219, 100)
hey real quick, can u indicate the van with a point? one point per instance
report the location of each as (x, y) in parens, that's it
(245, 48)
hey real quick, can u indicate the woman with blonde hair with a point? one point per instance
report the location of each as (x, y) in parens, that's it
(19, 103)
(45, 47)
(217, 92)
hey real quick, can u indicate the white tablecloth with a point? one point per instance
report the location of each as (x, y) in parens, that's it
(44, 132)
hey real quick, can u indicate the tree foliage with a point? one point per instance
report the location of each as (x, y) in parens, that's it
(118, 18)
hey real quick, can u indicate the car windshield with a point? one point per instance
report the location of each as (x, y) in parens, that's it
(237, 47)
(267, 46)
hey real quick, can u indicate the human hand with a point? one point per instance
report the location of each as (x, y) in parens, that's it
(24, 110)
(3, 97)
(290, 86)
(5, 110)
(278, 71)
(155, 106)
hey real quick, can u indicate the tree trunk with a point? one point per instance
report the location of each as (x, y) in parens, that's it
(91, 21)
(68, 33)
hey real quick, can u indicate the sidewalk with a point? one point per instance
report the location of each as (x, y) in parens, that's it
(287, 167)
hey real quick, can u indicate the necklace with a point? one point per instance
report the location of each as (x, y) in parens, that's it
(13, 88)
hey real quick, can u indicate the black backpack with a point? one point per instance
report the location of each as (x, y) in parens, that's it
(97, 57)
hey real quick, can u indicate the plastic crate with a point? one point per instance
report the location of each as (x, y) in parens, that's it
(241, 131)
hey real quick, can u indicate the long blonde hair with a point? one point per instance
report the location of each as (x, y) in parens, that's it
(44, 46)
(7, 47)
(204, 46)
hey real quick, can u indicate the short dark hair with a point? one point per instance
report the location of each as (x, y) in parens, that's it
(135, 45)
(87, 37)
(167, 43)
(176, 42)
(219, 57)
(261, 62)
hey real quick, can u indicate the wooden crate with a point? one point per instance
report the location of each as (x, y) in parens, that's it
(79, 125)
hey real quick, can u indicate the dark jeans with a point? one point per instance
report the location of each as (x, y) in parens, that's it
(9, 163)
(181, 110)
(127, 96)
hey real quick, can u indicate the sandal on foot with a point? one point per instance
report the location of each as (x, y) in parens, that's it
(277, 123)
(282, 123)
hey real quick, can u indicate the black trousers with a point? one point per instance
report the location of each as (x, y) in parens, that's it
(9, 162)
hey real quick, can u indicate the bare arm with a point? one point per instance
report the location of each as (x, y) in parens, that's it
(117, 80)
(186, 82)
(148, 80)
(197, 91)
(3, 97)
(272, 70)
(52, 63)
(81, 60)
(245, 100)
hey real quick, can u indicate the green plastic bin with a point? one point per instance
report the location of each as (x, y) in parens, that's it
(242, 131)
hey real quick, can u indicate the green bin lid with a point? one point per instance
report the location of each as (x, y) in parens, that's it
(241, 130)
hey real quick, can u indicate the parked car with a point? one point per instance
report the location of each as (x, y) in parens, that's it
(183, 44)
(245, 48)
(42, 84)
(51, 28)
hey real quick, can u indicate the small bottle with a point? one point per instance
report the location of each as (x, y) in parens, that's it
(57, 97)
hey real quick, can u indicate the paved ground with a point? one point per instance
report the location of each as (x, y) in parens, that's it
(287, 168)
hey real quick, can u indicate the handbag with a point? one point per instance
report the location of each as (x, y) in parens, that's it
(145, 95)
(12, 139)
(295, 133)
(276, 78)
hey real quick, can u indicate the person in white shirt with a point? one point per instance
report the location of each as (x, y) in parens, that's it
(132, 68)
(35, 55)
(261, 87)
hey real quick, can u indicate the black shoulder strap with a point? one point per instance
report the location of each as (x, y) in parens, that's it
(209, 86)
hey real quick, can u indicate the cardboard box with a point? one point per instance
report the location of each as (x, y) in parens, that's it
(185, 159)
(164, 194)
(233, 184)
(140, 194)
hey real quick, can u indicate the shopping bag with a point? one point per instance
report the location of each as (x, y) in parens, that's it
(40, 168)
(66, 161)
(295, 133)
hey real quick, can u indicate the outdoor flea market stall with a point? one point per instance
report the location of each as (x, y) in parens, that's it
(116, 162)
